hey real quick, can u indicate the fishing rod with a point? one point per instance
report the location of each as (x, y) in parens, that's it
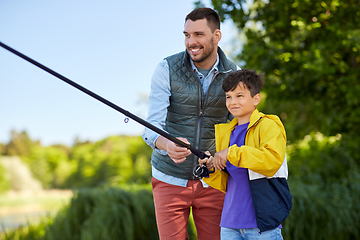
(199, 171)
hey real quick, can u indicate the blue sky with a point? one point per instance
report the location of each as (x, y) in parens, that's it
(110, 47)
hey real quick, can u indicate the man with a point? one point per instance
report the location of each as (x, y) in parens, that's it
(186, 100)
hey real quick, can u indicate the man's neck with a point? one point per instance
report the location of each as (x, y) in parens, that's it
(208, 63)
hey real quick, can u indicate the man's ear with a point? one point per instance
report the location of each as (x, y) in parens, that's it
(217, 36)
(257, 99)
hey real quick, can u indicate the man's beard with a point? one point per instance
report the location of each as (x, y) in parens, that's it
(203, 56)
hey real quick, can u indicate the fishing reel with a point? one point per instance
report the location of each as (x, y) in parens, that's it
(201, 171)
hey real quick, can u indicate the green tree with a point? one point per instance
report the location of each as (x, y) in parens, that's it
(2, 149)
(115, 159)
(310, 54)
(20, 144)
(50, 165)
(4, 183)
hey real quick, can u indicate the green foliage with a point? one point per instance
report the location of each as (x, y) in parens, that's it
(113, 160)
(117, 160)
(108, 213)
(4, 183)
(20, 144)
(310, 54)
(50, 165)
(2, 149)
(325, 191)
(29, 232)
(324, 211)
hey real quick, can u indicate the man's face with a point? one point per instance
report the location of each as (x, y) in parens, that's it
(200, 42)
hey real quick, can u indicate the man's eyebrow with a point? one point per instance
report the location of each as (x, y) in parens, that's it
(196, 32)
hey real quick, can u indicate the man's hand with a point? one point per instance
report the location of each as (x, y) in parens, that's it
(220, 159)
(176, 153)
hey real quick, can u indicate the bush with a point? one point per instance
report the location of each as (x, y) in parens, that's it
(4, 182)
(108, 213)
(325, 183)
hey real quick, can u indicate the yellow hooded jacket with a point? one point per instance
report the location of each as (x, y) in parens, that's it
(264, 156)
(263, 152)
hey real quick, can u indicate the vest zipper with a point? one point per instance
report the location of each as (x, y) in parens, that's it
(197, 140)
(201, 113)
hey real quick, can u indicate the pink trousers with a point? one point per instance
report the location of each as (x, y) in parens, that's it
(172, 207)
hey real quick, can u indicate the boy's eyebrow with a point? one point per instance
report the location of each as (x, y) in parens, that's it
(239, 92)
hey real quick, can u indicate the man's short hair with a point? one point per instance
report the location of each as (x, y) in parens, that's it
(212, 17)
(252, 81)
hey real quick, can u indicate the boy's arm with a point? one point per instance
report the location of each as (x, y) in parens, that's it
(267, 158)
(218, 179)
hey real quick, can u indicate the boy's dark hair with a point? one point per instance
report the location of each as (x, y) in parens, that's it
(212, 17)
(252, 81)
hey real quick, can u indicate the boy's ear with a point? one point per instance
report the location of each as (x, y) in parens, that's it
(257, 99)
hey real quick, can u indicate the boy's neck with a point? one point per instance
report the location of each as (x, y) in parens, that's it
(244, 119)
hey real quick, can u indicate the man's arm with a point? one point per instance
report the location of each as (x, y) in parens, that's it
(159, 102)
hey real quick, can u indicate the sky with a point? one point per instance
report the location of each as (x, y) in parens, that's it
(110, 47)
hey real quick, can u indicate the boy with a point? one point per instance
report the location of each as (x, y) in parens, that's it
(252, 148)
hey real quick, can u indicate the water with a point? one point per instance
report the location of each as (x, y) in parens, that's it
(21, 219)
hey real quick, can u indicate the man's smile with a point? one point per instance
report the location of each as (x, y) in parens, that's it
(195, 50)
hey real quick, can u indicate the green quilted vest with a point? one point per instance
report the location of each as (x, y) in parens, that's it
(190, 115)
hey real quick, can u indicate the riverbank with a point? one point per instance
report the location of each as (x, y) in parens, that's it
(19, 208)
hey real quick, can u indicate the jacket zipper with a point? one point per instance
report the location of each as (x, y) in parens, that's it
(255, 210)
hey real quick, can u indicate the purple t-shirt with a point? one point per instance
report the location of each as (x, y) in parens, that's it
(238, 210)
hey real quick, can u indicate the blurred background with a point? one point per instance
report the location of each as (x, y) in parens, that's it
(70, 166)
(110, 48)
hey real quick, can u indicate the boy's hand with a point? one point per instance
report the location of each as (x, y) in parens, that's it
(220, 159)
(207, 161)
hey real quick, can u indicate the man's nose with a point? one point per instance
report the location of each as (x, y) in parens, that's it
(192, 41)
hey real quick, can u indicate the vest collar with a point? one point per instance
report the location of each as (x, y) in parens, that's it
(214, 67)
(221, 64)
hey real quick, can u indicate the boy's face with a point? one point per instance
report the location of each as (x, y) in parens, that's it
(240, 103)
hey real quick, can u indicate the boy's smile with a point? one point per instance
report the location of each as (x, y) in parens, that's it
(240, 103)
